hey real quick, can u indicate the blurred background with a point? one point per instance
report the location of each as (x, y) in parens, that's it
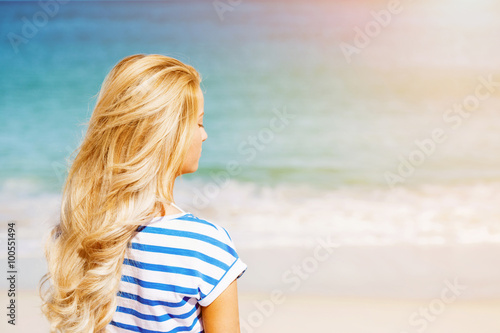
(352, 149)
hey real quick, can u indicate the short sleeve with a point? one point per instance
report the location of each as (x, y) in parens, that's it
(228, 266)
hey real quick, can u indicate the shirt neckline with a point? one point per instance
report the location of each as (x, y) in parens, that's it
(169, 216)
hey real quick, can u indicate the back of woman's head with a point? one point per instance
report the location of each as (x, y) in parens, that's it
(123, 175)
(143, 121)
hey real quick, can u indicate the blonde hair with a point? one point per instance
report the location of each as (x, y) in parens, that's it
(123, 175)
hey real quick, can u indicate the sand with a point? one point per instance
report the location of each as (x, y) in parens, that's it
(358, 315)
(308, 313)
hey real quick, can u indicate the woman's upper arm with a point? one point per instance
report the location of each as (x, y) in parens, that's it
(222, 315)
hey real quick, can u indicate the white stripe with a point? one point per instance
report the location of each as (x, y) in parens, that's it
(177, 260)
(185, 243)
(180, 280)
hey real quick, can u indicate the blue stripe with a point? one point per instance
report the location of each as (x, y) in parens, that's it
(161, 318)
(180, 252)
(192, 218)
(160, 286)
(152, 302)
(193, 235)
(227, 233)
(143, 330)
(170, 269)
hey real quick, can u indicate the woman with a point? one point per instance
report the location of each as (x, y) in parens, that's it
(124, 257)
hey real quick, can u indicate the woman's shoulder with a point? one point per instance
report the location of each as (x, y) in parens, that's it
(184, 220)
(188, 226)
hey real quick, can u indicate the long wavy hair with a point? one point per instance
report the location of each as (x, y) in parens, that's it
(121, 177)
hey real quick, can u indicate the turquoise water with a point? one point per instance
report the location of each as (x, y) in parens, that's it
(351, 121)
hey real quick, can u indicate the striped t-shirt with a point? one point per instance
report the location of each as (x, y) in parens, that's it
(174, 265)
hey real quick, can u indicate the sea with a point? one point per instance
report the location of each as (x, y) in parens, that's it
(375, 122)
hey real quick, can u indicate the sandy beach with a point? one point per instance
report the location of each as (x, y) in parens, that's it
(369, 315)
(302, 313)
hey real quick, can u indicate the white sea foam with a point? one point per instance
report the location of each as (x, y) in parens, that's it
(290, 214)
